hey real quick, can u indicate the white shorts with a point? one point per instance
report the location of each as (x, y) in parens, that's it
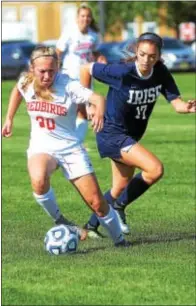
(73, 165)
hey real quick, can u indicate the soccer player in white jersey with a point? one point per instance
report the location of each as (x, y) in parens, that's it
(78, 46)
(51, 99)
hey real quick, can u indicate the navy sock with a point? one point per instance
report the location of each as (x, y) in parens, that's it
(109, 198)
(134, 190)
(93, 221)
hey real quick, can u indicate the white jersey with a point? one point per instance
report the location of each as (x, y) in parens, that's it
(78, 49)
(53, 123)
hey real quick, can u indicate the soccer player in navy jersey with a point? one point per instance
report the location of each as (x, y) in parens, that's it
(134, 87)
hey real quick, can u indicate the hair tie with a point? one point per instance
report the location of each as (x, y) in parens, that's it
(153, 37)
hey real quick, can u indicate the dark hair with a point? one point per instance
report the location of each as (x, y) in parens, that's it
(147, 36)
(151, 37)
(93, 24)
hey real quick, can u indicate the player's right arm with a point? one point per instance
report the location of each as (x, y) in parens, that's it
(62, 45)
(14, 103)
(109, 74)
(81, 95)
(59, 53)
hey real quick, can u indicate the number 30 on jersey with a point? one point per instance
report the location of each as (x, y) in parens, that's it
(47, 123)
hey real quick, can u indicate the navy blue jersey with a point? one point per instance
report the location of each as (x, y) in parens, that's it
(131, 98)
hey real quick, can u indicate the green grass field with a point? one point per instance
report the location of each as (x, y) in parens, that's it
(160, 267)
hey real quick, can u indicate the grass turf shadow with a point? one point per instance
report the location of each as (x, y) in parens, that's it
(143, 240)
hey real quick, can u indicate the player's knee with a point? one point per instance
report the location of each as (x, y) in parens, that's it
(99, 205)
(157, 172)
(39, 184)
(118, 189)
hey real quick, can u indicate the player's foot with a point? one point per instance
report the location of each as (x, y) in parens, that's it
(82, 233)
(124, 243)
(93, 231)
(122, 220)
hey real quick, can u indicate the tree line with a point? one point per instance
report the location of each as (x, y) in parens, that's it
(126, 11)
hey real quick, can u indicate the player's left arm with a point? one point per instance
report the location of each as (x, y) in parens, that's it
(85, 75)
(97, 116)
(85, 80)
(183, 107)
(172, 94)
(81, 95)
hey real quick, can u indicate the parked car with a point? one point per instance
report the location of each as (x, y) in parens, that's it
(15, 57)
(176, 55)
(128, 47)
(113, 51)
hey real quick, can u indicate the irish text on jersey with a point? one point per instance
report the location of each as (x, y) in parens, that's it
(143, 96)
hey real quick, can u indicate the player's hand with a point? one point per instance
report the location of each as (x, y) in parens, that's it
(97, 121)
(91, 110)
(191, 106)
(7, 128)
(102, 59)
(97, 124)
(98, 117)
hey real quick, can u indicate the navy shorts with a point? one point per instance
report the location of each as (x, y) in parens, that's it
(111, 144)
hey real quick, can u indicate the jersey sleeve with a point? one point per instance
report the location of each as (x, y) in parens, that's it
(110, 74)
(63, 42)
(170, 89)
(78, 93)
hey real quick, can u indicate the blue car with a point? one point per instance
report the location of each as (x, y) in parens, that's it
(15, 57)
(111, 50)
(177, 56)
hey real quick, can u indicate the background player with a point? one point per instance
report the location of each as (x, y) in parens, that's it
(78, 47)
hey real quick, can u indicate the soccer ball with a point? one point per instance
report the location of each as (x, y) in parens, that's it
(61, 239)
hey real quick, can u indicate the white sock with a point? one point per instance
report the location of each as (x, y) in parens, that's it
(81, 128)
(111, 223)
(48, 202)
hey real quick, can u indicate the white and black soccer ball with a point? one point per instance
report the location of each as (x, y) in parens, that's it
(61, 239)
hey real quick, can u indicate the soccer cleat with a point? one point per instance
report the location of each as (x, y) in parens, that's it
(122, 220)
(124, 243)
(93, 231)
(82, 233)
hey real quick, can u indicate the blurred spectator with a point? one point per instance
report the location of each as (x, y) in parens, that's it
(78, 47)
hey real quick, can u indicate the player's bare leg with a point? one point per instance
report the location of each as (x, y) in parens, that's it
(152, 171)
(89, 189)
(121, 176)
(40, 167)
(81, 123)
(126, 188)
